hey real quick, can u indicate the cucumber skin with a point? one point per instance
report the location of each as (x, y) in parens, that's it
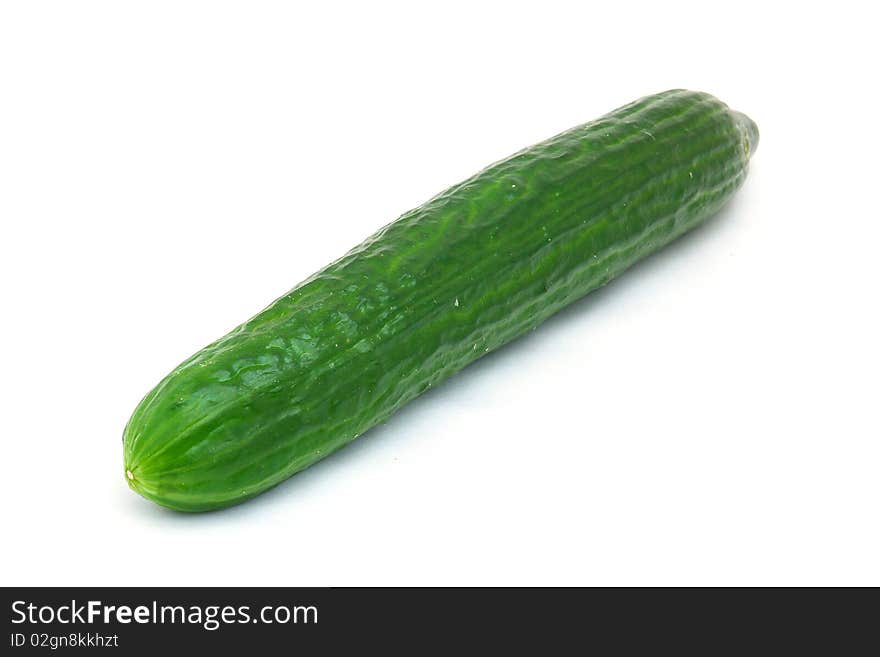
(448, 282)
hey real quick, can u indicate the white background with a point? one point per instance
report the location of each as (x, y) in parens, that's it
(168, 168)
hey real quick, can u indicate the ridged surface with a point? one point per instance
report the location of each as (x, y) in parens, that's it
(468, 271)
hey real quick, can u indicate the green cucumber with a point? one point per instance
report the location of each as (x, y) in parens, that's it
(465, 273)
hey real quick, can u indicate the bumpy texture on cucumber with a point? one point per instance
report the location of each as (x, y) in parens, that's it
(468, 271)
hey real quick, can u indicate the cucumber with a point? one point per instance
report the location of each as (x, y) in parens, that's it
(448, 282)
